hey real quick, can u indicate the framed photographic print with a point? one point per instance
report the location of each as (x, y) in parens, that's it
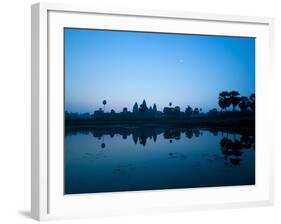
(148, 111)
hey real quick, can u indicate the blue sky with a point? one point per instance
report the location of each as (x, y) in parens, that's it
(127, 67)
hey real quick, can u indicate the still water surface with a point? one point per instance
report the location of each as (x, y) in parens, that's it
(146, 158)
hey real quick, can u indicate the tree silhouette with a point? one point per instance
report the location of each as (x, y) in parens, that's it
(213, 112)
(196, 111)
(224, 100)
(188, 111)
(177, 110)
(252, 101)
(243, 105)
(104, 103)
(234, 99)
(170, 104)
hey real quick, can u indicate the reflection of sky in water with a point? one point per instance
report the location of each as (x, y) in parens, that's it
(123, 165)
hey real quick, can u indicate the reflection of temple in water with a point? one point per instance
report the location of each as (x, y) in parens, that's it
(141, 134)
(232, 144)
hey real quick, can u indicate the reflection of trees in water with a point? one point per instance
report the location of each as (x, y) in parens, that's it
(232, 144)
(102, 144)
(233, 148)
(196, 133)
(189, 133)
(172, 134)
(215, 132)
(139, 135)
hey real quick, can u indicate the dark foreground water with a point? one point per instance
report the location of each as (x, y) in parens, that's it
(146, 158)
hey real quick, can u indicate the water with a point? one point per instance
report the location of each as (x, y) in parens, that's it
(147, 158)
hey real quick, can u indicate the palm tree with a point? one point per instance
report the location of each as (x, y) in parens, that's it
(188, 111)
(234, 99)
(104, 103)
(224, 100)
(222, 104)
(244, 103)
(252, 101)
(103, 144)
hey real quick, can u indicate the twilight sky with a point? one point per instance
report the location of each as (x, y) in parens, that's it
(127, 67)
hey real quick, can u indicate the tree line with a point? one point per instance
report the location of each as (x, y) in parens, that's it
(233, 98)
(225, 100)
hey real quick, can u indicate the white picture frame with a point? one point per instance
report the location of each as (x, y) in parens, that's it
(47, 198)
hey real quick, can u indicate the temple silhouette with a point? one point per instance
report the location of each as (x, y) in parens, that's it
(141, 114)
